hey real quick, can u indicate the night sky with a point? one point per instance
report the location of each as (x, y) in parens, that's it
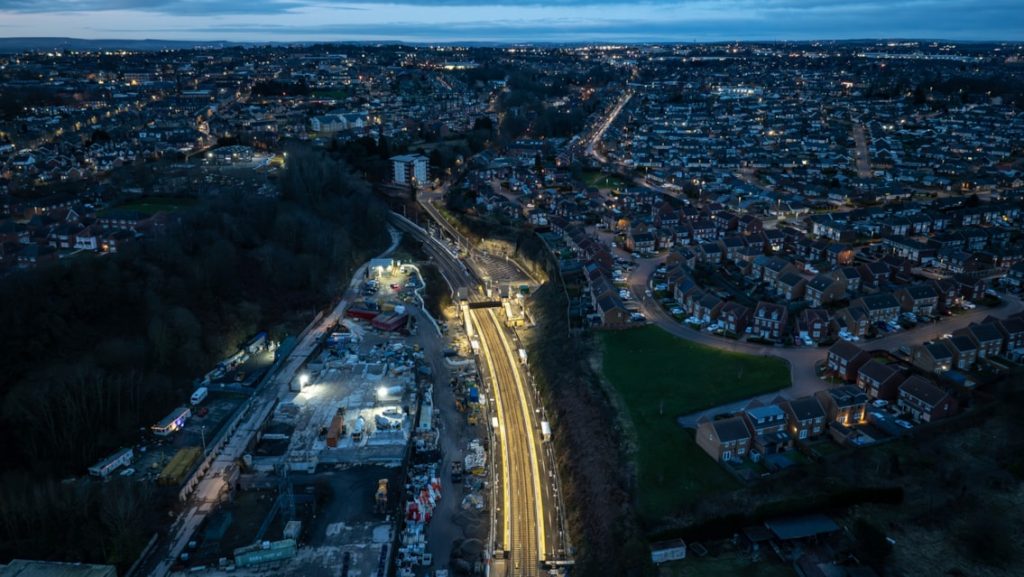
(515, 20)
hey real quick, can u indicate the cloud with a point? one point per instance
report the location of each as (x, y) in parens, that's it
(171, 7)
(533, 20)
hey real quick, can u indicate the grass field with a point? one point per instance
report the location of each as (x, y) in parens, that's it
(727, 565)
(661, 377)
(602, 180)
(154, 205)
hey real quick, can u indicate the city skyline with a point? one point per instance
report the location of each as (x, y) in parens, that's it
(512, 21)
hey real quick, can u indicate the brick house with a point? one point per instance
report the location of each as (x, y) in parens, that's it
(791, 286)
(879, 380)
(924, 401)
(734, 317)
(936, 357)
(965, 352)
(769, 320)
(881, 306)
(805, 417)
(724, 439)
(987, 337)
(845, 404)
(845, 359)
(920, 299)
(814, 324)
(823, 289)
(768, 428)
(855, 319)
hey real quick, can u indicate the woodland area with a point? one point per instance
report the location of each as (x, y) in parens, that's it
(96, 348)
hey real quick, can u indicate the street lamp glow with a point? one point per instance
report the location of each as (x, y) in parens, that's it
(382, 392)
(303, 380)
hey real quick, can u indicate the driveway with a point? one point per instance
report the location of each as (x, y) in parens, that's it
(802, 360)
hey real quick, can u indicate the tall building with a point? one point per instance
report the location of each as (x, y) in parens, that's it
(407, 167)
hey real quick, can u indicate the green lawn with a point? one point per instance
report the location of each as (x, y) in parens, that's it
(602, 180)
(661, 377)
(154, 205)
(726, 565)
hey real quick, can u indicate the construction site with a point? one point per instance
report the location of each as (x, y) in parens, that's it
(351, 471)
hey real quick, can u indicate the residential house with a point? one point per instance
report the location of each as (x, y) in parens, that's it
(849, 275)
(641, 242)
(768, 426)
(724, 439)
(920, 299)
(613, 313)
(1013, 332)
(879, 380)
(854, 319)
(987, 337)
(934, 357)
(873, 274)
(845, 404)
(924, 401)
(845, 359)
(769, 320)
(880, 306)
(965, 352)
(813, 324)
(734, 317)
(824, 289)
(791, 286)
(805, 417)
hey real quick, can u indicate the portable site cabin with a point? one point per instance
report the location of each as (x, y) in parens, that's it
(172, 422)
(105, 467)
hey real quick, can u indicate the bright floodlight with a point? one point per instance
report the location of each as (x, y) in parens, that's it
(382, 392)
(303, 380)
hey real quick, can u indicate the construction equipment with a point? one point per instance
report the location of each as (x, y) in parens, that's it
(474, 414)
(381, 499)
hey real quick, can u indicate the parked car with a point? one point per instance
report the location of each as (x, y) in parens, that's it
(880, 403)
(904, 424)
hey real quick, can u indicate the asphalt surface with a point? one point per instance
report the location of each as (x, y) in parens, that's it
(528, 527)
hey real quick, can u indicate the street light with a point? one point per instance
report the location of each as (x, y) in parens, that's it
(303, 380)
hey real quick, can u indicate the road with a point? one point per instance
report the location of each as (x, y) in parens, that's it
(861, 154)
(522, 506)
(530, 528)
(801, 360)
(213, 485)
(603, 127)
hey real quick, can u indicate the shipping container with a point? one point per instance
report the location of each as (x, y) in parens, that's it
(390, 321)
(337, 428)
(179, 466)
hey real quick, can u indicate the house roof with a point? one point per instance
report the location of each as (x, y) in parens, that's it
(878, 371)
(922, 291)
(731, 429)
(985, 333)
(847, 396)
(801, 527)
(962, 343)
(845, 350)
(806, 408)
(923, 389)
(938, 350)
(880, 301)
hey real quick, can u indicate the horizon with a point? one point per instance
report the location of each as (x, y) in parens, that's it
(513, 21)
